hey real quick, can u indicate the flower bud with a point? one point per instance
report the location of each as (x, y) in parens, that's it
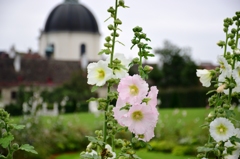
(107, 45)
(15, 146)
(121, 3)
(140, 45)
(110, 27)
(136, 60)
(221, 43)
(118, 21)
(111, 10)
(108, 38)
(134, 41)
(221, 88)
(143, 36)
(148, 68)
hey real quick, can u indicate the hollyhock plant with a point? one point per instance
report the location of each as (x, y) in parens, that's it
(132, 89)
(222, 124)
(205, 77)
(98, 73)
(135, 108)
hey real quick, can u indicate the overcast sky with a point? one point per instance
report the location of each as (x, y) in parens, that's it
(187, 23)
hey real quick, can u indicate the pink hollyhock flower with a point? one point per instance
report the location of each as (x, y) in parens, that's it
(147, 136)
(118, 114)
(132, 89)
(139, 119)
(152, 96)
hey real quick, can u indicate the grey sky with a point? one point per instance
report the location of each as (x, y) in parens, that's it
(186, 23)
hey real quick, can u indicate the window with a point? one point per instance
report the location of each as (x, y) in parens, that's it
(82, 49)
(13, 95)
(49, 51)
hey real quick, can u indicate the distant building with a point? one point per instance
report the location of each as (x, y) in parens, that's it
(207, 65)
(69, 41)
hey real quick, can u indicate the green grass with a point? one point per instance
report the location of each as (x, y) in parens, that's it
(141, 153)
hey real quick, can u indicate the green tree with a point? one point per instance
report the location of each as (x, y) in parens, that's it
(176, 68)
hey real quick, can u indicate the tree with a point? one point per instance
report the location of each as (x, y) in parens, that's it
(176, 68)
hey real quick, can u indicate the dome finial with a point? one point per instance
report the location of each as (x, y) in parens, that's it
(71, 1)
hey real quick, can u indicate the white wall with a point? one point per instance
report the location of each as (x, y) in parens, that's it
(67, 45)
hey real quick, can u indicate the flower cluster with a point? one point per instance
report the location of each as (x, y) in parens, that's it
(223, 127)
(136, 107)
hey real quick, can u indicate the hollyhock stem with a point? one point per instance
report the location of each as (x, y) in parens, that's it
(225, 47)
(111, 60)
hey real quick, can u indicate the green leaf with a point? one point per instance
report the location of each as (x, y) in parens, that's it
(18, 127)
(91, 99)
(5, 141)
(210, 92)
(236, 139)
(94, 88)
(204, 149)
(2, 157)
(28, 148)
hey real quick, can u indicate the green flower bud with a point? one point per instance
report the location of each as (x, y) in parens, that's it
(234, 30)
(137, 34)
(143, 36)
(225, 30)
(221, 43)
(110, 27)
(140, 45)
(226, 106)
(121, 3)
(116, 35)
(107, 45)
(134, 41)
(108, 38)
(15, 146)
(232, 85)
(118, 21)
(111, 10)
(231, 35)
(136, 60)
(109, 124)
(234, 18)
(238, 14)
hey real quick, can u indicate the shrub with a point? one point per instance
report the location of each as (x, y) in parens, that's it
(163, 146)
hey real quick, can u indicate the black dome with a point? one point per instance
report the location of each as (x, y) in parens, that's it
(71, 16)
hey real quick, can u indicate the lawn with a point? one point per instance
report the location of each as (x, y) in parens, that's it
(174, 125)
(142, 153)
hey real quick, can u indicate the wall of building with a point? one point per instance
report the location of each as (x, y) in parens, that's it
(67, 45)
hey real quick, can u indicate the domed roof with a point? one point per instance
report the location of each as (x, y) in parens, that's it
(71, 16)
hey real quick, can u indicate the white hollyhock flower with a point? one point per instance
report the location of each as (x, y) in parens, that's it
(225, 68)
(205, 77)
(236, 73)
(99, 73)
(221, 129)
(235, 154)
(120, 73)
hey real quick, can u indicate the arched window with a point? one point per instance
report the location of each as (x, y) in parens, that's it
(82, 49)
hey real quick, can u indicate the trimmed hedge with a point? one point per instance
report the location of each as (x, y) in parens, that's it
(183, 98)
